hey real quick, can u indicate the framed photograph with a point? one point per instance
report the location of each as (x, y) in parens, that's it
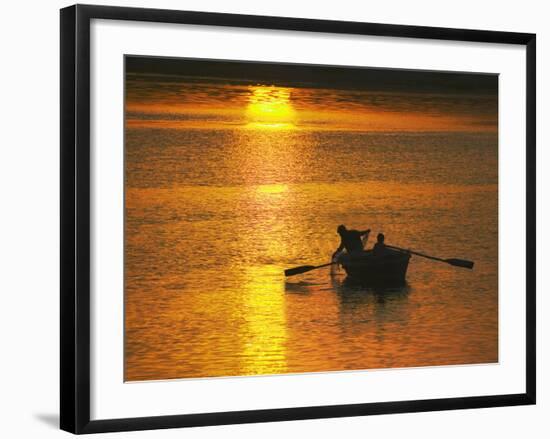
(268, 218)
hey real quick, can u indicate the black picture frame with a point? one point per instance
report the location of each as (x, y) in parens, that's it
(75, 217)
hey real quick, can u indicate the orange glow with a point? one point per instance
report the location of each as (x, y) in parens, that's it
(228, 184)
(264, 348)
(270, 107)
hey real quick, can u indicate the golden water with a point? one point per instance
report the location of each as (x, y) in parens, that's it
(214, 216)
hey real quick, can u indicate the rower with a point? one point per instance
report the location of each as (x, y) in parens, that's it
(350, 240)
(379, 248)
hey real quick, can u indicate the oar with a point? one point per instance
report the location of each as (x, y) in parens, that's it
(456, 262)
(305, 268)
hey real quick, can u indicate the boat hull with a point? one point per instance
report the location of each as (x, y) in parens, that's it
(367, 268)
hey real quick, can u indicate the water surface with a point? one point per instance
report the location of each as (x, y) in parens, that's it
(214, 216)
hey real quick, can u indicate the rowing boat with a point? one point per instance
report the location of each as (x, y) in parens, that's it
(389, 268)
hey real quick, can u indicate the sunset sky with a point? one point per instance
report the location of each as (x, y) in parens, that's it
(172, 93)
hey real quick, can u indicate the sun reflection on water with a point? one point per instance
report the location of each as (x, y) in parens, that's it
(270, 107)
(264, 349)
(271, 188)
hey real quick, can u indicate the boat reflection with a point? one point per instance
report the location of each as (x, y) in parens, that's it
(368, 327)
(360, 303)
(348, 289)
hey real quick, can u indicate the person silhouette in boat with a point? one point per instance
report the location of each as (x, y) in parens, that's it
(350, 240)
(379, 248)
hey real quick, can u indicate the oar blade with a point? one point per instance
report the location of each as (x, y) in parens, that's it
(299, 270)
(460, 263)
